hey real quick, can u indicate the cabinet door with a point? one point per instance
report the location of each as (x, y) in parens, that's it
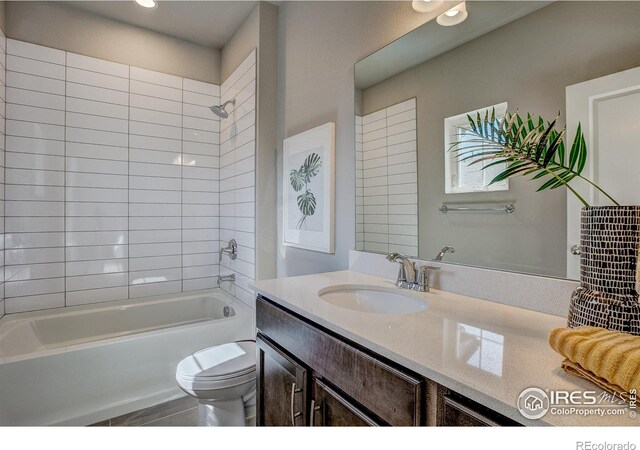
(282, 387)
(330, 409)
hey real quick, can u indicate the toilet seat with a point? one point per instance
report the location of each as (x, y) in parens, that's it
(221, 365)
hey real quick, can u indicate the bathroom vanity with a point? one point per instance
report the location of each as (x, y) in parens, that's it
(308, 376)
(457, 361)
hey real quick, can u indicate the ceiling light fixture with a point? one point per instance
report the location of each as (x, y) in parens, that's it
(426, 5)
(151, 4)
(454, 16)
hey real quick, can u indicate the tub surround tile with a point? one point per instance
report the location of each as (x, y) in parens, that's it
(112, 179)
(3, 46)
(35, 145)
(237, 178)
(157, 147)
(96, 198)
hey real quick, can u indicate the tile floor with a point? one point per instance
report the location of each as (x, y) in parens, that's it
(182, 412)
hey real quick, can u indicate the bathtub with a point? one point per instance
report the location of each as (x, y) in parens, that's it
(85, 364)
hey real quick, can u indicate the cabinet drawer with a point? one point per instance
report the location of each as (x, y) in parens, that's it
(458, 411)
(397, 398)
(458, 415)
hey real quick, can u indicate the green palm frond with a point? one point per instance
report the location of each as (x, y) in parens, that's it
(299, 180)
(311, 166)
(296, 179)
(526, 147)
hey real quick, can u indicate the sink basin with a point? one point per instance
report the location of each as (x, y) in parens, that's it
(373, 299)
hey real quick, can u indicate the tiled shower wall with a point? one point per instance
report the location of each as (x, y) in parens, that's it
(237, 177)
(359, 187)
(386, 170)
(3, 75)
(111, 181)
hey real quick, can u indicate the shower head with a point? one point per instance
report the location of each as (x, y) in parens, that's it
(220, 111)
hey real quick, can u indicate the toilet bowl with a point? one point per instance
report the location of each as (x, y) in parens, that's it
(223, 379)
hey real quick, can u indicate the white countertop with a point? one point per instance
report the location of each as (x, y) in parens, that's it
(483, 350)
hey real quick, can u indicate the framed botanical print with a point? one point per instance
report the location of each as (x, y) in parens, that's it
(308, 189)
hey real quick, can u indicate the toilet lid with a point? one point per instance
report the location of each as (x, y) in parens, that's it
(221, 361)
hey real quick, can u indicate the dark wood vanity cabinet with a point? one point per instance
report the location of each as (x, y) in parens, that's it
(309, 376)
(287, 397)
(282, 387)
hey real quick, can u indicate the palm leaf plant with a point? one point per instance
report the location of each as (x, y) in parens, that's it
(299, 180)
(532, 148)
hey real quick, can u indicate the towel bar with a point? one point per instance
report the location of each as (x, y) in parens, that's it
(506, 209)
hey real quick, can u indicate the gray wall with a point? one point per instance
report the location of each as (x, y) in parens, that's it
(243, 41)
(64, 28)
(260, 31)
(562, 44)
(319, 42)
(3, 15)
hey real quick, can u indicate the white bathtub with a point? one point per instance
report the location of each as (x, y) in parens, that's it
(85, 364)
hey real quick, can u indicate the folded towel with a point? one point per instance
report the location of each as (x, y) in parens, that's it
(611, 356)
(575, 369)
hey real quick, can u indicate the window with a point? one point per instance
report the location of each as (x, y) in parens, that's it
(460, 177)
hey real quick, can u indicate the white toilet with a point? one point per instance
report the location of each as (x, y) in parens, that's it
(223, 379)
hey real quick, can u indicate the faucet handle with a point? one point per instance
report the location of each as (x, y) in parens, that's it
(422, 278)
(231, 250)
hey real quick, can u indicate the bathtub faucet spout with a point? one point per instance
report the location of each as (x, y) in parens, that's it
(223, 278)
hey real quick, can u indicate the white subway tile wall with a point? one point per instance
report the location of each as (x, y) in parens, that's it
(3, 76)
(155, 183)
(111, 181)
(237, 177)
(388, 202)
(359, 187)
(35, 178)
(200, 186)
(96, 180)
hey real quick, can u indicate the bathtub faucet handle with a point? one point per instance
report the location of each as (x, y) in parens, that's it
(231, 249)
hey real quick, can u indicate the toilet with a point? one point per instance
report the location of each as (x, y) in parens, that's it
(223, 379)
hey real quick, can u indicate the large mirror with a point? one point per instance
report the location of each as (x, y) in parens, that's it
(413, 196)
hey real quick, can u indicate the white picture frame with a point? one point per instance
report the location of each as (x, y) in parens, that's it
(308, 194)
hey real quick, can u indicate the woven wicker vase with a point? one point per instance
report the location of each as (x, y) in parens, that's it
(607, 297)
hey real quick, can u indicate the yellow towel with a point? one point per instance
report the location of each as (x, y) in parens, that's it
(575, 369)
(605, 356)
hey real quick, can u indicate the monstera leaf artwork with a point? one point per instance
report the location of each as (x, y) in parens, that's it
(299, 180)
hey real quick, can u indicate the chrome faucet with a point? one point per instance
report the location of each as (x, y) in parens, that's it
(223, 278)
(444, 250)
(408, 276)
(407, 273)
(231, 250)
